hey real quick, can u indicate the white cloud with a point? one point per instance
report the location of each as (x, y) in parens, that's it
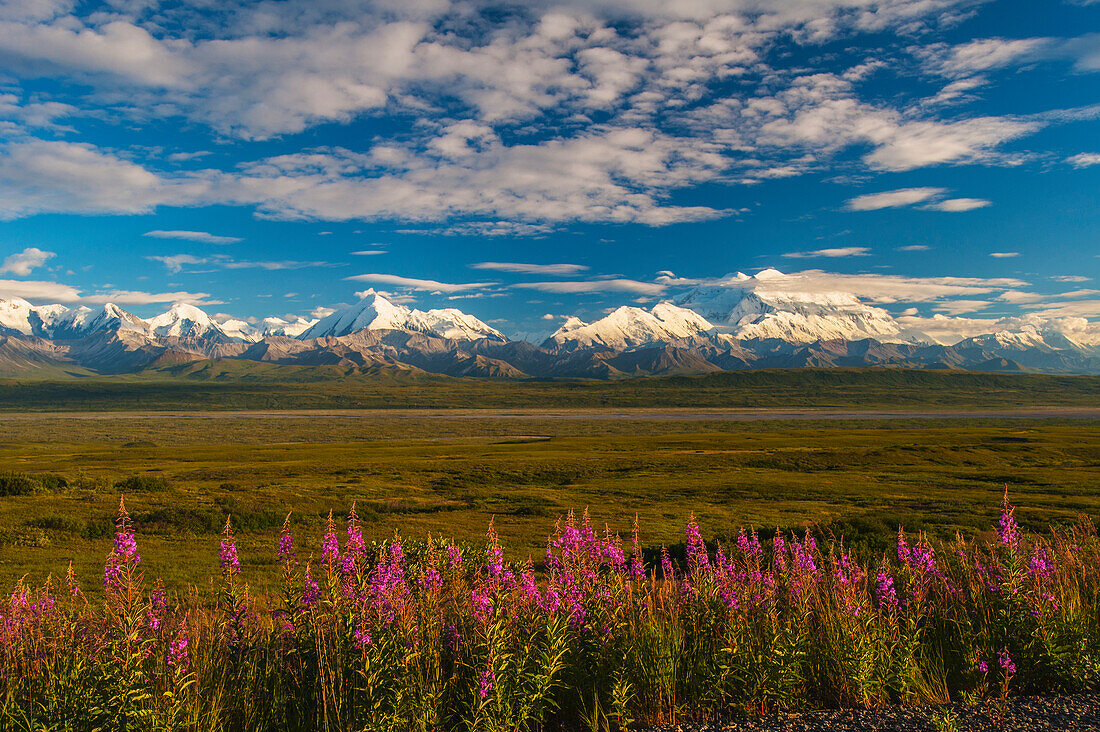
(136, 297)
(502, 112)
(831, 253)
(418, 284)
(877, 288)
(1071, 278)
(1084, 160)
(914, 248)
(175, 262)
(39, 176)
(199, 236)
(369, 252)
(546, 269)
(56, 292)
(1004, 255)
(39, 291)
(605, 174)
(608, 285)
(959, 204)
(22, 263)
(962, 307)
(1018, 297)
(922, 143)
(981, 55)
(893, 199)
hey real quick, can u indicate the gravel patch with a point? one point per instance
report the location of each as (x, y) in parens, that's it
(1075, 713)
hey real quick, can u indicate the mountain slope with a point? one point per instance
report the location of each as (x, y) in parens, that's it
(630, 327)
(375, 312)
(769, 305)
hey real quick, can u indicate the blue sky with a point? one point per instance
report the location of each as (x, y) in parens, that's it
(940, 158)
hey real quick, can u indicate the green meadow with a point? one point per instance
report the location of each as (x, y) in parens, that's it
(450, 475)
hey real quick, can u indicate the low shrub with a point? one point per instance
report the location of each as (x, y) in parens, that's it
(142, 484)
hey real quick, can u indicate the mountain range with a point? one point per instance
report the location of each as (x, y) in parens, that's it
(748, 322)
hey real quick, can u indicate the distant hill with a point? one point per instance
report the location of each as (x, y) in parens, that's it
(231, 385)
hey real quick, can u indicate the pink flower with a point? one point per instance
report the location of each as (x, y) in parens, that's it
(1006, 663)
(884, 589)
(330, 545)
(487, 679)
(697, 556)
(177, 652)
(285, 549)
(228, 552)
(1008, 529)
(122, 561)
(354, 544)
(482, 605)
(311, 591)
(454, 557)
(362, 638)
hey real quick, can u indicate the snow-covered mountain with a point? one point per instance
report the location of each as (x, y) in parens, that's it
(770, 306)
(1025, 337)
(16, 316)
(766, 321)
(631, 327)
(289, 328)
(83, 321)
(183, 320)
(375, 312)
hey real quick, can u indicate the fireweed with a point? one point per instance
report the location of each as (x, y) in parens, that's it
(400, 635)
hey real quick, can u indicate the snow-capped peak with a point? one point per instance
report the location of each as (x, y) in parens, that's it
(376, 312)
(81, 321)
(288, 328)
(771, 305)
(183, 320)
(630, 327)
(15, 315)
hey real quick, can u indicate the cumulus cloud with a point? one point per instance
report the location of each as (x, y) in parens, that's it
(42, 176)
(656, 74)
(546, 269)
(22, 263)
(199, 236)
(606, 174)
(411, 283)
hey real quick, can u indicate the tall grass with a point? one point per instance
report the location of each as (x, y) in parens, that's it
(431, 636)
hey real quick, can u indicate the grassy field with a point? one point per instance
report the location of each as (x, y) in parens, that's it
(226, 385)
(450, 475)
